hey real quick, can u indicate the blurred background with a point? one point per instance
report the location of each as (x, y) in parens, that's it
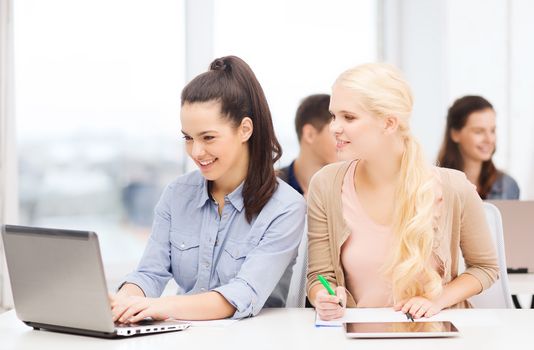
(91, 91)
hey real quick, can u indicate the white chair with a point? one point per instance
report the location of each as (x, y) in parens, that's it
(498, 295)
(296, 296)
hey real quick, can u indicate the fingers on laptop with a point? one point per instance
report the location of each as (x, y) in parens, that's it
(148, 307)
(141, 316)
(122, 304)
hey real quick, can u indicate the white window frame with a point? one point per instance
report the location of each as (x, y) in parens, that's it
(8, 163)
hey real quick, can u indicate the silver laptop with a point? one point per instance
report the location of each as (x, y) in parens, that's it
(518, 227)
(58, 283)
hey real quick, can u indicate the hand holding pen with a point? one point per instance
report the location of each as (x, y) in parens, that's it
(330, 303)
(329, 289)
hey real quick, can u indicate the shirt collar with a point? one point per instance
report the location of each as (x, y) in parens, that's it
(235, 198)
(204, 195)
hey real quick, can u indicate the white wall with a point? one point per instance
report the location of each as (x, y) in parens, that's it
(199, 23)
(413, 40)
(199, 37)
(450, 48)
(477, 59)
(521, 99)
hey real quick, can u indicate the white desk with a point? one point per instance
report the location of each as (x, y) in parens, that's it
(521, 283)
(278, 329)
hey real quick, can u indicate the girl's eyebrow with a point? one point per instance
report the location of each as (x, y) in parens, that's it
(201, 133)
(343, 112)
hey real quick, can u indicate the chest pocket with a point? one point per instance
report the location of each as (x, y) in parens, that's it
(184, 258)
(232, 258)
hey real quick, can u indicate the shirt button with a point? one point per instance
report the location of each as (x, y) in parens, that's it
(182, 245)
(206, 265)
(202, 289)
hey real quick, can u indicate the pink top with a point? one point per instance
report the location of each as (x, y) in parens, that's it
(459, 223)
(364, 252)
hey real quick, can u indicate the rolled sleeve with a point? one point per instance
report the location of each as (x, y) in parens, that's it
(241, 295)
(153, 271)
(265, 264)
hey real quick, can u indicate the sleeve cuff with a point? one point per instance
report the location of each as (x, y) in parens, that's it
(135, 284)
(143, 283)
(241, 296)
(484, 277)
(310, 286)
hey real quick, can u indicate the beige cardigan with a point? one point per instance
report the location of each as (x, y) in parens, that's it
(461, 227)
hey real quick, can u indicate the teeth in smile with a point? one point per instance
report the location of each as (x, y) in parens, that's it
(206, 162)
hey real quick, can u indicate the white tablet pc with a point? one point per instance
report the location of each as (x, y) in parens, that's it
(400, 329)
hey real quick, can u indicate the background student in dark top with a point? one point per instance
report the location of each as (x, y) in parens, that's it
(317, 149)
(317, 144)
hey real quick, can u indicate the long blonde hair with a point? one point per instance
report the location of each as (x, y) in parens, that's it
(381, 90)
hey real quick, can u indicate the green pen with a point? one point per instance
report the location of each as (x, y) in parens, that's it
(329, 289)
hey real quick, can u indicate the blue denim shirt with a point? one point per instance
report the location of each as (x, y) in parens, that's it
(250, 264)
(504, 187)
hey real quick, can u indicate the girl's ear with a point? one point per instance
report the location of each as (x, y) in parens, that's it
(245, 129)
(391, 124)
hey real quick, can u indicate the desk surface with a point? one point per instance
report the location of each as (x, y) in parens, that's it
(521, 283)
(288, 329)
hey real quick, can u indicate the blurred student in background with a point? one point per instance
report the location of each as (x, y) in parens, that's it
(469, 144)
(317, 144)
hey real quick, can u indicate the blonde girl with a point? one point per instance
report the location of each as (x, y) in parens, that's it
(384, 227)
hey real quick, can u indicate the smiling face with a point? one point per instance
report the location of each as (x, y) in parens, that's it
(358, 133)
(217, 147)
(476, 140)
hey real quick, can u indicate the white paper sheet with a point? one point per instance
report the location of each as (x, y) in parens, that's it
(213, 323)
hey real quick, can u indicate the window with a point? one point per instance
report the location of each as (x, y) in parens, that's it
(97, 98)
(97, 102)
